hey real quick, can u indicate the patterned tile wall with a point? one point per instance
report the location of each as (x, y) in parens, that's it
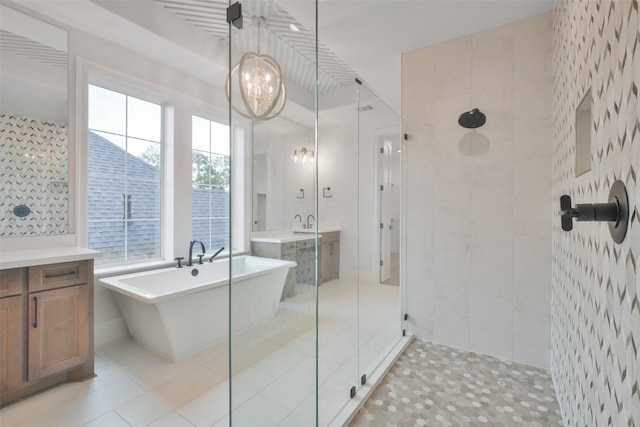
(595, 339)
(34, 172)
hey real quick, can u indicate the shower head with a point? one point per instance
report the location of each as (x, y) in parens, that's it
(472, 119)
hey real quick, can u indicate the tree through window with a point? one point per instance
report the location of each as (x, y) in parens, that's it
(210, 181)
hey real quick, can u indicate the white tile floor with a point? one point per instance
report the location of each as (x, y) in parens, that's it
(273, 365)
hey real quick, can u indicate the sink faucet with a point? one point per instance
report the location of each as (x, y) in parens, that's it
(299, 218)
(191, 243)
(308, 224)
(216, 254)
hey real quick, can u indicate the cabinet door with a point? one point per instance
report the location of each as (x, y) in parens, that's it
(325, 262)
(58, 330)
(11, 281)
(11, 342)
(334, 256)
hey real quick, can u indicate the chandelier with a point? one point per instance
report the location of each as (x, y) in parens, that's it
(260, 85)
(302, 155)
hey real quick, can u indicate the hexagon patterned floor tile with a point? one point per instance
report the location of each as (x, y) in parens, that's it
(436, 385)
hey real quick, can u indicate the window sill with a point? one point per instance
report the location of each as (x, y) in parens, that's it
(117, 270)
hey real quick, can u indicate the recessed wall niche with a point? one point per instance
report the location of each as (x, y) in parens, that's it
(583, 135)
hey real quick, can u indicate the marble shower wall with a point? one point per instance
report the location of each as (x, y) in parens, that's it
(478, 202)
(595, 340)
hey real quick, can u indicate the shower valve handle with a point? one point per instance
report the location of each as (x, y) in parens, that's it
(615, 212)
(608, 212)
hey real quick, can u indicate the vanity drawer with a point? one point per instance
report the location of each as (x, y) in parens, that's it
(11, 281)
(331, 236)
(43, 277)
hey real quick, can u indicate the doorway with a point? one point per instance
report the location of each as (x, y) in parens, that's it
(389, 210)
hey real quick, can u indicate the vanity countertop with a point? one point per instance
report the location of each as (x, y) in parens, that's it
(280, 236)
(297, 233)
(39, 256)
(324, 228)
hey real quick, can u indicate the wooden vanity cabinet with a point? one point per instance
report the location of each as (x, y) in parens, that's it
(12, 352)
(52, 325)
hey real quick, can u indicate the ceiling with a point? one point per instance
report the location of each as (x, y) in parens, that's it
(371, 35)
(363, 38)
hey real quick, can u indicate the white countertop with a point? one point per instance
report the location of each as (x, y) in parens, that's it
(39, 256)
(280, 236)
(291, 235)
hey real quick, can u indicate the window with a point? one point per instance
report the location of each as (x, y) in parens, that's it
(125, 138)
(210, 183)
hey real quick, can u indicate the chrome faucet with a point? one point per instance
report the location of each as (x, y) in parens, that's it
(191, 243)
(308, 224)
(216, 254)
(299, 218)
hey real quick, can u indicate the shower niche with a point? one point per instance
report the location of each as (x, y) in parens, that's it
(583, 135)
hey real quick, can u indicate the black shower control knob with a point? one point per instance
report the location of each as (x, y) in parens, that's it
(567, 214)
(597, 212)
(615, 212)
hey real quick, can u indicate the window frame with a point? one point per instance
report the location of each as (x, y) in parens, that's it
(89, 74)
(200, 114)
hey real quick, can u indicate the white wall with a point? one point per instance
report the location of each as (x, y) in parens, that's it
(337, 170)
(478, 222)
(348, 165)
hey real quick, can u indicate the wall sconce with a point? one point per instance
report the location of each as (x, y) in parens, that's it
(326, 192)
(300, 194)
(303, 155)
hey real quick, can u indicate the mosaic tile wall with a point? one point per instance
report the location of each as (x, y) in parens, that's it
(595, 357)
(34, 165)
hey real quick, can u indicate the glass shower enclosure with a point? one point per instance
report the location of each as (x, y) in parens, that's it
(316, 192)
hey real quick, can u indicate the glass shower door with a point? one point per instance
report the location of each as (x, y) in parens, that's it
(272, 298)
(380, 285)
(339, 233)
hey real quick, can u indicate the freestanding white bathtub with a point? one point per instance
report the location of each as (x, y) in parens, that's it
(177, 312)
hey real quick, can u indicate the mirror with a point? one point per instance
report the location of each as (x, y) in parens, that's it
(34, 149)
(282, 187)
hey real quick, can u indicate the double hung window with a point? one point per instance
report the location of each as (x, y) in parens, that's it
(210, 183)
(125, 179)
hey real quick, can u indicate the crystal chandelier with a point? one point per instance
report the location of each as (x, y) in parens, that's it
(260, 85)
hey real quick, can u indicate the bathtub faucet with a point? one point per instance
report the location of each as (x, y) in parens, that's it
(216, 254)
(191, 243)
